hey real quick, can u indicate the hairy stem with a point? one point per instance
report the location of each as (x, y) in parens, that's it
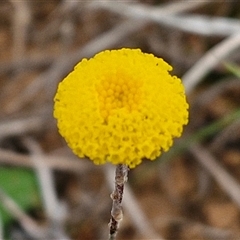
(117, 195)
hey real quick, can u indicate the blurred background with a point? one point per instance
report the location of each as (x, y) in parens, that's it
(191, 192)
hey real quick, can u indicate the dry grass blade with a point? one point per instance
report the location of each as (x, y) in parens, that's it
(202, 25)
(53, 161)
(231, 132)
(26, 63)
(148, 13)
(22, 126)
(164, 15)
(21, 21)
(27, 222)
(45, 178)
(205, 98)
(210, 60)
(54, 210)
(198, 228)
(222, 177)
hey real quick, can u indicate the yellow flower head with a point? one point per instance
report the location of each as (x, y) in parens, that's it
(120, 106)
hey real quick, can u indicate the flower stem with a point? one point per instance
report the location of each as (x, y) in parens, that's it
(117, 195)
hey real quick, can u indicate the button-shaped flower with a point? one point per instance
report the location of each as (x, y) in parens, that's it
(121, 106)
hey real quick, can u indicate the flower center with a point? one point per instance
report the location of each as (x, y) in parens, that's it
(118, 93)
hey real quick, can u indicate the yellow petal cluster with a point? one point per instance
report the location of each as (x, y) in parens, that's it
(121, 106)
